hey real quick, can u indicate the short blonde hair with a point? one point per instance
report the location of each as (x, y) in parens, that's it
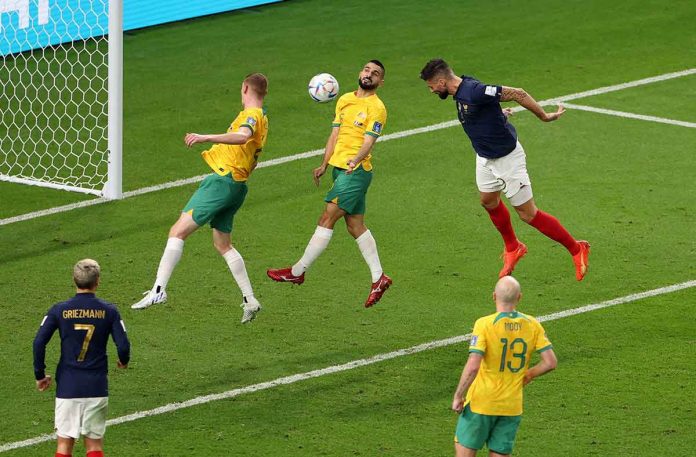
(86, 274)
(258, 83)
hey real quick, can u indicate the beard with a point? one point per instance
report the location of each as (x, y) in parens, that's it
(366, 85)
(443, 95)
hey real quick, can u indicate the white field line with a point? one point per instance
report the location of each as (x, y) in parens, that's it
(614, 88)
(348, 366)
(624, 114)
(316, 152)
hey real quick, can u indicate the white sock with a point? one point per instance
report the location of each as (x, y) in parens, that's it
(368, 247)
(170, 257)
(314, 248)
(236, 264)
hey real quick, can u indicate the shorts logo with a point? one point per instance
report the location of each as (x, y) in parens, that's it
(474, 340)
(491, 91)
(251, 121)
(377, 127)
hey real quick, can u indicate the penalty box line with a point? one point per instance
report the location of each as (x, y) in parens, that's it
(317, 152)
(286, 380)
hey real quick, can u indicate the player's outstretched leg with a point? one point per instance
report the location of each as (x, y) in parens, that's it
(295, 274)
(552, 228)
(368, 248)
(582, 260)
(250, 305)
(181, 229)
(500, 216)
(170, 257)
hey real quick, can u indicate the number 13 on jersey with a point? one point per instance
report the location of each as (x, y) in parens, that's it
(518, 351)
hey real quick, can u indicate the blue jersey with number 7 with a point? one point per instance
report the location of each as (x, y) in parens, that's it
(85, 323)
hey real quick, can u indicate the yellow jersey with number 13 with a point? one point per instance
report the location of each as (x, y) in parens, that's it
(240, 159)
(356, 117)
(507, 342)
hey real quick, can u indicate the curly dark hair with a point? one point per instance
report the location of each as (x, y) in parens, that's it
(435, 67)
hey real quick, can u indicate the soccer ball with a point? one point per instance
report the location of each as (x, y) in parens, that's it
(323, 88)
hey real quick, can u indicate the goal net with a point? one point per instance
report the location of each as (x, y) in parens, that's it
(57, 93)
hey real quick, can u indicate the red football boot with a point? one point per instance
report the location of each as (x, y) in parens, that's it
(378, 289)
(285, 275)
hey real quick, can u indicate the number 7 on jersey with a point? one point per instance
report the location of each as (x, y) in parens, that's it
(88, 337)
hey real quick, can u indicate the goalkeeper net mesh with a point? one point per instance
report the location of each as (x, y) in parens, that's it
(54, 94)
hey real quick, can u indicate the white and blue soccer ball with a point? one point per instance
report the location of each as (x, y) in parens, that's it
(323, 88)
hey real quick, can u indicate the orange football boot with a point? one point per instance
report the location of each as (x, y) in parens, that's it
(582, 260)
(510, 259)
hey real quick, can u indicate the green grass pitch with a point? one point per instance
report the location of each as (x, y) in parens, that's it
(624, 382)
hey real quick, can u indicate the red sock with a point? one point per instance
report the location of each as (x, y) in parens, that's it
(551, 227)
(95, 454)
(500, 216)
(58, 454)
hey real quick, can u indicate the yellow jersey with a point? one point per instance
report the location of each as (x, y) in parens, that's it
(240, 159)
(356, 117)
(506, 341)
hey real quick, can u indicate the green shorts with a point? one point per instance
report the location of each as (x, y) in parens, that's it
(474, 430)
(216, 200)
(349, 190)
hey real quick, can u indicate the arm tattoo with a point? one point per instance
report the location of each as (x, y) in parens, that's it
(513, 94)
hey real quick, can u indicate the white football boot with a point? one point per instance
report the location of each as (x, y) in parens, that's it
(151, 298)
(251, 306)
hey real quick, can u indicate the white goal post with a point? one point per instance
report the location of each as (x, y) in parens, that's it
(61, 87)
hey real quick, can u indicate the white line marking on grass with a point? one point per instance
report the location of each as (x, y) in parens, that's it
(639, 82)
(350, 365)
(618, 301)
(316, 152)
(642, 117)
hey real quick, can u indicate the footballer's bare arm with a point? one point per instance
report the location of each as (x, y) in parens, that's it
(368, 143)
(241, 136)
(513, 94)
(328, 153)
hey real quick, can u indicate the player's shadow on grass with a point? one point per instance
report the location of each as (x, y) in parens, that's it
(40, 238)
